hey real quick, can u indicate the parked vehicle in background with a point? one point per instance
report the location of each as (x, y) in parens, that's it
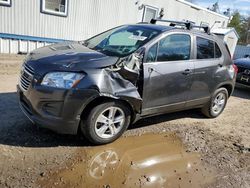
(243, 76)
(104, 84)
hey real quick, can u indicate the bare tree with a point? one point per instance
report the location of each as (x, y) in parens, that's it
(227, 12)
(215, 7)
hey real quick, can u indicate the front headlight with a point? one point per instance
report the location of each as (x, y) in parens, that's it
(62, 79)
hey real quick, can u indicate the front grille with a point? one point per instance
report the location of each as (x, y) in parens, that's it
(26, 77)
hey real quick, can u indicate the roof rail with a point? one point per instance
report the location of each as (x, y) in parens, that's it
(142, 23)
(205, 28)
(188, 24)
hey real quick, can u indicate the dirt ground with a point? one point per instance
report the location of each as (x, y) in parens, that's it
(29, 155)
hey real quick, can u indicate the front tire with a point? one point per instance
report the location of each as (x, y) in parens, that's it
(217, 103)
(106, 122)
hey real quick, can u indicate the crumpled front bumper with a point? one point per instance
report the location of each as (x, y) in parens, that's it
(56, 109)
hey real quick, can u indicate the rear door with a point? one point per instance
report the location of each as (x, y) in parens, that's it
(208, 63)
(167, 73)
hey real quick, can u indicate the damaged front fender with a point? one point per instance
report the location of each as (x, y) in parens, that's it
(113, 85)
(120, 81)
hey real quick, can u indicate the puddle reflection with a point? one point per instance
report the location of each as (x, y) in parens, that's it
(150, 160)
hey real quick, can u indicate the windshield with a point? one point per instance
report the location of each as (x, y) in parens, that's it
(121, 41)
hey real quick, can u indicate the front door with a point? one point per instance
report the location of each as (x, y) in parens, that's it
(167, 74)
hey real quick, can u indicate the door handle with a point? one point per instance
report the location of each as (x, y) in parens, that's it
(187, 72)
(220, 65)
(150, 69)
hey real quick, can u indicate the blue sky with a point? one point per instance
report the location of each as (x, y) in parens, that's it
(243, 6)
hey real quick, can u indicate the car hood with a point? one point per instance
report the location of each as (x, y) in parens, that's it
(243, 62)
(68, 56)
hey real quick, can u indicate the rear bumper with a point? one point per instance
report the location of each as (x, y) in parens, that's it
(240, 85)
(55, 109)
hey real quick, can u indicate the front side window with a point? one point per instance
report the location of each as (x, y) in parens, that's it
(55, 7)
(121, 41)
(174, 47)
(152, 53)
(205, 48)
(5, 2)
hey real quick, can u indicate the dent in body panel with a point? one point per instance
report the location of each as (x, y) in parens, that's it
(111, 76)
(121, 81)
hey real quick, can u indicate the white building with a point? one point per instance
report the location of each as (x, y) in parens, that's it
(229, 35)
(29, 24)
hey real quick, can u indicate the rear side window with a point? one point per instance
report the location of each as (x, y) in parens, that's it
(205, 48)
(174, 48)
(228, 50)
(217, 51)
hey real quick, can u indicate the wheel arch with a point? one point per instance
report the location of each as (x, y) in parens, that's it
(229, 87)
(102, 99)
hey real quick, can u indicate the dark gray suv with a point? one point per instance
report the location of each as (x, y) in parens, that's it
(102, 85)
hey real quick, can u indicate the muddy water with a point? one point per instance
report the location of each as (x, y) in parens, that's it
(150, 160)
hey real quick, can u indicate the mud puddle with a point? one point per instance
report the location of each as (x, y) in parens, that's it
(151, 160)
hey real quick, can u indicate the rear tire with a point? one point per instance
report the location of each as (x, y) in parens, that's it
(217, 103)
(106, 122)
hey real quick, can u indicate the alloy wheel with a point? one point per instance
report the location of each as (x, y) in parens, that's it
(109, 122)
(219, 103)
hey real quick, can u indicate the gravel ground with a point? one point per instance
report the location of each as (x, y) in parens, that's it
(29, 153)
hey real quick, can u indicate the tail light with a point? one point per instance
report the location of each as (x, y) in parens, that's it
(235, 68)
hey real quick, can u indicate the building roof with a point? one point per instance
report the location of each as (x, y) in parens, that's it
(225, 31)
(202, 8)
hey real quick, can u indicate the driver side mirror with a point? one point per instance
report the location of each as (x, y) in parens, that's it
(140, 53)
